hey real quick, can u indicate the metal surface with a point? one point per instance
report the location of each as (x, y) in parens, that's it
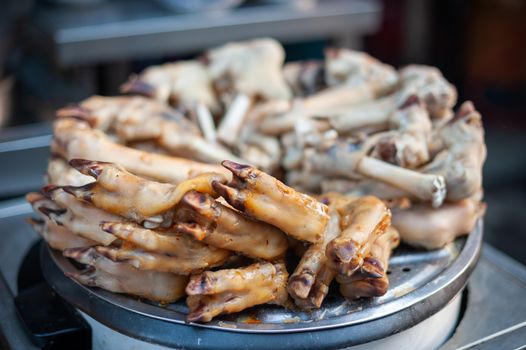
(24, 151)
(133, 29)
(495, 316)
(428, 334)
(12, 332)
(494, 311)
(422, 284)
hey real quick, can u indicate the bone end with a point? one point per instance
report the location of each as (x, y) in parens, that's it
(318, 293)
(299, 286)
(367, 288)
(342, 251)
(200, 284)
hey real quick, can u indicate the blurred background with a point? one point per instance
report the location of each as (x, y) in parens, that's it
(54, 52)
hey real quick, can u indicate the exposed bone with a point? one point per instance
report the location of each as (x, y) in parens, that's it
(426, 187)
(342, 161)
(233, 290)
(365, 187)
(206, 122)
(301, 282)
(149, 146)
(133, 197)
(366, 219)
(171, 243)
(425, 82)
(137, 118)
(181, 83)
(124, 278)
(431, 228)
(317, 105)
(233, 120)
(353, 77)
(407, 144)
(463, 155)
(74, 139)
(143, 260)
(371, 280)
(267, 199)
(132, 118)
(77, 216)
(226, 228)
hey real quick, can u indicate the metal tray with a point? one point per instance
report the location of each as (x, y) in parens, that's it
(421, 281)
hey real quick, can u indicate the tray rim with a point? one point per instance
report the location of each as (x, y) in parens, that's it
(452, 279)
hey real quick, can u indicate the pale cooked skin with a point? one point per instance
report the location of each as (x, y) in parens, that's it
(79, 217)
(406, 145)
(120, 277)
(352, 78)
(463, 154)
(60, 173)
(427, 83)
(120, 192)
(267, 199)
(57, 236)
(252, 68)
(366, 219)
(164, 242)
(430, 228)
(371, 280)
(130, 117)
(182, 83)
(431, 86)
(134, 119)
(144, 260)
(75, 139)
(233, 290)
(223, 227)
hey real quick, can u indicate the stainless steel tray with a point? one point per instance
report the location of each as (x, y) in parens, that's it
(421, 283)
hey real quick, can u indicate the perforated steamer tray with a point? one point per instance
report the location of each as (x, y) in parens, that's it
(421, 283)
